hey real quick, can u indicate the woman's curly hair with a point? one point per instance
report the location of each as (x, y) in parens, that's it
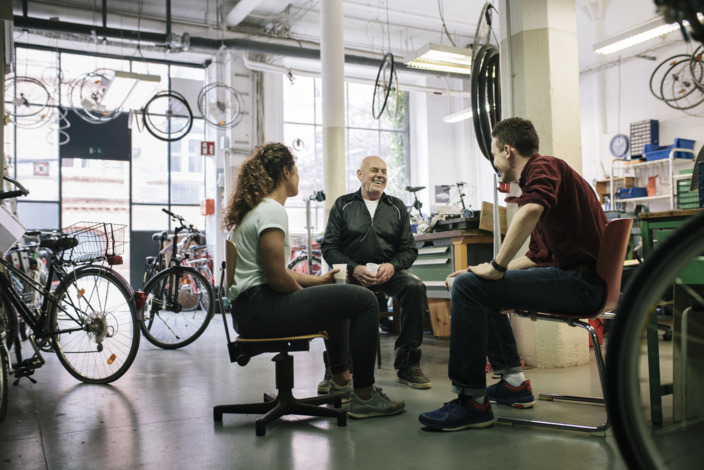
(258, 177)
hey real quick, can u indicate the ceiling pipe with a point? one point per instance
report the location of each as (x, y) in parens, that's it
(197, 44)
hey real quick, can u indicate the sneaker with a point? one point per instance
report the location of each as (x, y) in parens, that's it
(505, 394)
(346, 390)
(413, 377)
(324, 385)
(461, 413)
(378, 405)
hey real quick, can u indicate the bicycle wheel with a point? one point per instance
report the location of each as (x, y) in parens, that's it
(94, 325)
(300, 265)
(179, 305)
(675, 264)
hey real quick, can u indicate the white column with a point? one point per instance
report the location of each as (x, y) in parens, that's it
(332, 56)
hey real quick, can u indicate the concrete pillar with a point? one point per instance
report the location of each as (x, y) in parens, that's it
(540, 53)
(332, 56)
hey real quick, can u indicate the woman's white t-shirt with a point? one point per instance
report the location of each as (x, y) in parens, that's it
(249, 272)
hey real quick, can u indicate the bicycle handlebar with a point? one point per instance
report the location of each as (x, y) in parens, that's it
(180, 219)
(22, 191)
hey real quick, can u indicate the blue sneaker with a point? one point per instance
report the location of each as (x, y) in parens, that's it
(505, 394)
(461, 413)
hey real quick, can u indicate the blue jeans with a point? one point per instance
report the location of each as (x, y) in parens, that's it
(478, 329)
(344, 311)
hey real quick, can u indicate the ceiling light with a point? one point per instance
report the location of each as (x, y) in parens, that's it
(651, 29)
(458, 116)
(441, 58)
(129, 90)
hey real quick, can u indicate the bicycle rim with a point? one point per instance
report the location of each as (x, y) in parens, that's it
(643, 444)
(179, 305)
(96, 337)
(300, 265)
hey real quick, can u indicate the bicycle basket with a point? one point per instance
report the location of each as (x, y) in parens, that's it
(96, 241)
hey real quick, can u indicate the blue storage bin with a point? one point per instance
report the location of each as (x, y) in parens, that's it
(658, 153)
(627, 193)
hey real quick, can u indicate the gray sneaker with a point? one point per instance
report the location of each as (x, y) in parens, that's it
(324, 385)
(413, 377)
(378, 405)
(346, 390)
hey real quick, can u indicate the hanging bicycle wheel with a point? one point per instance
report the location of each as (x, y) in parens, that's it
(659, 72)
(486, 97)
(221, 105)
(386, 80)
(85, 96)
(678, 86)
(655, 431)
(27, 102)
(167, 116)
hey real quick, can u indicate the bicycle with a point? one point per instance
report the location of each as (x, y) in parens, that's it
(89, 320)
(299, 261)
(671, 263)
(179, 300)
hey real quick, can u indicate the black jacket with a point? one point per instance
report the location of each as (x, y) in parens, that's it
(352, 237)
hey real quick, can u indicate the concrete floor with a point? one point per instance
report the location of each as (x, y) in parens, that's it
(159, 415)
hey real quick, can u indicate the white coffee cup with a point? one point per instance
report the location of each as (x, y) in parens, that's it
(341, 275)
(373, 268)
(450, 281)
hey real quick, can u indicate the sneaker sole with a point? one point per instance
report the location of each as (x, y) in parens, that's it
(523, 406)
(414, 384)
(373, 414)
(479, 425)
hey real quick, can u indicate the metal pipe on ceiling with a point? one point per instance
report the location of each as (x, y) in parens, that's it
(198, 44)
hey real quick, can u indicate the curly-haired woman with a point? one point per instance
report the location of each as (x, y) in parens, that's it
(272, 301)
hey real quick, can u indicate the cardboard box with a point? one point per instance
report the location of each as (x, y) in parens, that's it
(11, 230)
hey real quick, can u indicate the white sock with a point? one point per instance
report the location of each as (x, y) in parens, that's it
(515, 379)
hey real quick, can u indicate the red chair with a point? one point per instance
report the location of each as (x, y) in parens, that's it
(609, 267)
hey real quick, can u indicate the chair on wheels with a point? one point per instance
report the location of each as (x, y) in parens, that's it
(609, 266)
(241, 350)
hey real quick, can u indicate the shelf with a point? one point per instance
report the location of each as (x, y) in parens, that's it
(641, 199)
(662, 161)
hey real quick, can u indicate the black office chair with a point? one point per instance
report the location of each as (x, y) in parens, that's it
(241, 350)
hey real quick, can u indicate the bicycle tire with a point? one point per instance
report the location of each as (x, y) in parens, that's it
(171, 324)
(681, 85)
(94, 322)
(379, 100)
(300, 265)
(623, 394)
(656, 79)
(5, 338)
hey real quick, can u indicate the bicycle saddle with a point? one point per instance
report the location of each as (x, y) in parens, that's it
(413, 189)
(59, 244)
(160, 236)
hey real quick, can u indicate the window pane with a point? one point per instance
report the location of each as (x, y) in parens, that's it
(394, 153)
(400, 121)
(38, 164)
(149, 170)
(302, 139)
(299, 99)
(187, 180)
(149, 218)
(38, 216)
(359, 106)
(191, 214)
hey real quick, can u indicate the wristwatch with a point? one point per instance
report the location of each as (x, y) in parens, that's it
(498, 267)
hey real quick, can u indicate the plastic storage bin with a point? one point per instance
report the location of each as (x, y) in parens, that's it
(627, 193)
(653, 152)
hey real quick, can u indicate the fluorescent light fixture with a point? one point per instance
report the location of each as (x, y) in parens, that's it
(441, 58)
(458, 116)
(651, 29)
(129, 90)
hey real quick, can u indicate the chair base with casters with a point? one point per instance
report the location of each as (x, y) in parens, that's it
(274, 407)
(241, 350)
(609, 267)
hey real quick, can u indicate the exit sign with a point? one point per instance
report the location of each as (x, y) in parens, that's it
(95, 151)
(207, 148)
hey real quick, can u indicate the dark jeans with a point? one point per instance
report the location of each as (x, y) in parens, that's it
(479, 330)
(409, 290)
(344, 311)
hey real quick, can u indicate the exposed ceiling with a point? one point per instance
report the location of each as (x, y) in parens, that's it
(370, 27)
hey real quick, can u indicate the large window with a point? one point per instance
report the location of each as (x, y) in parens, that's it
(386, 137)
(162, 174)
